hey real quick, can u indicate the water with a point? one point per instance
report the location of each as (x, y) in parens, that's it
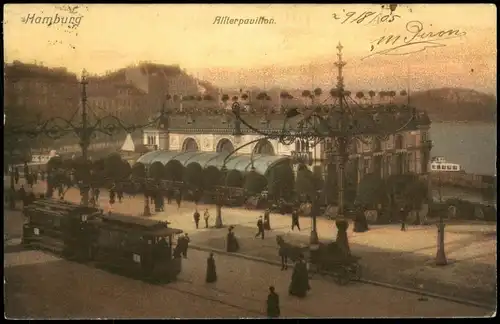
(472, 145)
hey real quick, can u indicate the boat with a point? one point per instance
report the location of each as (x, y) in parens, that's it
(439, 164)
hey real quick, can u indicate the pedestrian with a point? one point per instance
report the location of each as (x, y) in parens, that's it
(267, 224)
(295, 219)
(112, 194)
(206, 216)
(16, 175)
(97, 192)
(119, 193)
(211, 270)
(22, 195)
(260, 227)
(196, 217)
(29, 179)
(42, 175)
(300, 279)
(178, 199)
(273, 304)
(185, 245)
(402, 215)
(169, 196)
(35, 177)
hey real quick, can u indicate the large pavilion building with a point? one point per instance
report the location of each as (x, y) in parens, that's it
(207, 138)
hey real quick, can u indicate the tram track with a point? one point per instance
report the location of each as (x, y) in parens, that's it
(364, 281)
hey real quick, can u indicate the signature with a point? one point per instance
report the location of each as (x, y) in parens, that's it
(368, 17)
(417, 40)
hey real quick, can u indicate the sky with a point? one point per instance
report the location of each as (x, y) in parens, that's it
(297, 50)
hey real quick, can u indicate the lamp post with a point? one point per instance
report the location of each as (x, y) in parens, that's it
(342, 125)
(84, 136)
(441, 255)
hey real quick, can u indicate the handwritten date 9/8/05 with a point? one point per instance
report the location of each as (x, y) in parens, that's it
(366, 17)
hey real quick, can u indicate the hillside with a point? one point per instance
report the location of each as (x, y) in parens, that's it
(456, 104)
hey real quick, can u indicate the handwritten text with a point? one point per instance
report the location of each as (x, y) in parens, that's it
(366, 17)
(416, 40)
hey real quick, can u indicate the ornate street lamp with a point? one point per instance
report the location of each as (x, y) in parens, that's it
(58, 127)
(341, 124)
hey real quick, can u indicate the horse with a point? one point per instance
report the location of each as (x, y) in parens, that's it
(286, 251)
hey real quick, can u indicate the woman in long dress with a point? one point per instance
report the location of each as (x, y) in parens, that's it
(300, 279)
(211, 270)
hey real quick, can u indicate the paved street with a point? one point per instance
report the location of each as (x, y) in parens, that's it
(407, 256)
(39, 285)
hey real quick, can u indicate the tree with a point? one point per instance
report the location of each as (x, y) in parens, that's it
(254, 183)
(403, 93)
(371, 191)
(244, 96)
(305, 183)
(234, 178)
(113, 166)
(157, 171)
(168, 97)
(347, 93)
(235, 98)
(280, 182)
(176, 97)
(208, 97)
(211, 177)
(139, 174)
(318, 92)
(372, 94)
(415, 193)
(174, 170)
(199, 98)
(193, 178)
(54, 170)
(307, 94)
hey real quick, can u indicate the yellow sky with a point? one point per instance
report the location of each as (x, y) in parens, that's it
(113, 36)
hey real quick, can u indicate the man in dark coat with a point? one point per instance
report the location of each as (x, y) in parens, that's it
(260, 227)
(119, 192)
(295, 219)
(178, 199)
(112, 195)
(300, 279)
(232, 244)
(211, 270)
(273, 304)
(22, 195)
(267, 223)
(196, 217)
(16, 175)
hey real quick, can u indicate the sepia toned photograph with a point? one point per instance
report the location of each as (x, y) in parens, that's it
(238, 161)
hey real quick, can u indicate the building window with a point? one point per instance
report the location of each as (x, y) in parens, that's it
(399, 142)
(387, 166)
(424, 136)
(366, 166)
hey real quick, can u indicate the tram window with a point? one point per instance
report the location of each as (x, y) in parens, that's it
(438, 167)
(448, 167)
(455, 167)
